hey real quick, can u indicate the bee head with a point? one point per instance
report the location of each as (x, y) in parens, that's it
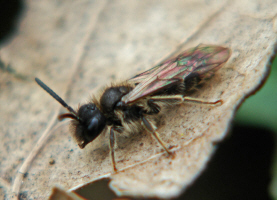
(87, 124)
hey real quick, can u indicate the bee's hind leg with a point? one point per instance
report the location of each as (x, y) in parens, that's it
(182, 99)
(201, 101)
(152, 129)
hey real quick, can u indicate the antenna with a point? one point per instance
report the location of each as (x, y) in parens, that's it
(55, 96)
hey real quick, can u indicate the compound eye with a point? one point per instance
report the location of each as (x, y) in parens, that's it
(92, 122)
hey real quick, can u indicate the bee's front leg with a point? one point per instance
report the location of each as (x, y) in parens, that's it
(112, 142)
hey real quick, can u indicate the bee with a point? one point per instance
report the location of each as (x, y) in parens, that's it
(134, 105)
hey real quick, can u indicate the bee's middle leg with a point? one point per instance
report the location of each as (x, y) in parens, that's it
(152, 129)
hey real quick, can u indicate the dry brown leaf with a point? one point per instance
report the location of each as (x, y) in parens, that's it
(77, 47)
(60, 194)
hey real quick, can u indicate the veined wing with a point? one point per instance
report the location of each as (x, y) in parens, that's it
(142, 76)
(201, 61)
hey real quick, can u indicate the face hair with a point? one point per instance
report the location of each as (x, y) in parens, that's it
(55, 96)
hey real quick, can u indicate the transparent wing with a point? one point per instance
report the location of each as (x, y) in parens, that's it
(201, 61)
(140, 77)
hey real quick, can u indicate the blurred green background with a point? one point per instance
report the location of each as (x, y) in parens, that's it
(260, 110)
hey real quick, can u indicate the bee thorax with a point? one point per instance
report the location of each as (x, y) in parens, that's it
(112, 96)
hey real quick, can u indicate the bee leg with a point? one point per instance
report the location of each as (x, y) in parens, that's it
(183, 99)
(112, 141)
(201, 101)
(154, 108)
(152, 129)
